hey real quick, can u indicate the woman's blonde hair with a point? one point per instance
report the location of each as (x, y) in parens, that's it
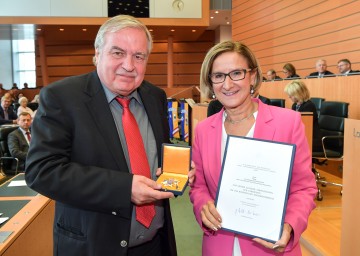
(228, 46)
(298, 90)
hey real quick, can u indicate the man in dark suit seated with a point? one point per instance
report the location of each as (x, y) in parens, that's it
(271, 75)
(344, 66)
(321, 68)
(19, 140)
(7, 113)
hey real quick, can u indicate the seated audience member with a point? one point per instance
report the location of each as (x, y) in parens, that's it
(344, 67)
(271, 75)
(300, 95)
(7, 113)
(215, 105)
(23, 101)
(19, 140)
(290, 71)
(321, 71)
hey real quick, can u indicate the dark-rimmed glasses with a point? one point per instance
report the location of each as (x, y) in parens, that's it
(234, 75)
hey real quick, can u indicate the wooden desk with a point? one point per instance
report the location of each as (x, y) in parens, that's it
(31, 226)
(342, 88)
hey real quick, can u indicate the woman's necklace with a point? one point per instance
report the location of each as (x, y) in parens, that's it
(228, 119)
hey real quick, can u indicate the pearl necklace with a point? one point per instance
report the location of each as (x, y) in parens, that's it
(228, 119)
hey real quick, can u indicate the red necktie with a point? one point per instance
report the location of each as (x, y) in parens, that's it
(138, 159)
(28, 136)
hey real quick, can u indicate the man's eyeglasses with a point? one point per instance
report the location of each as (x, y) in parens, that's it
(234, 75)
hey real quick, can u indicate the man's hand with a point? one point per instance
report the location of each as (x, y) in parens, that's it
(144, 191)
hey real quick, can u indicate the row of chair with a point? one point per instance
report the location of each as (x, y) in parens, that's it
(331, 118)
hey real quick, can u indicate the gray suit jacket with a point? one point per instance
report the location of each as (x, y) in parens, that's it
(18, 147)
(76, 158)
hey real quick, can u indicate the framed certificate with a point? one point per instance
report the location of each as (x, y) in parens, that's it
(254, 185)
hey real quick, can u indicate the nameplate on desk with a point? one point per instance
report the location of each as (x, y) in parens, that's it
(253, 186)
(4, 235)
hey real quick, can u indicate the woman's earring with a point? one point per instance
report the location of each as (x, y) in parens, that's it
(252, 90)
(213, 96)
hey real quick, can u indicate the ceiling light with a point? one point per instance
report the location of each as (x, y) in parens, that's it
(173, 30)
(194, 30)
(38, 29)
(216, 12)
(61, 29)
(84, 29)
(211, 17)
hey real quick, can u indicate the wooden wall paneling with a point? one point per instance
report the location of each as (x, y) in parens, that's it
(305, 53)
(273, 18)
(193, 47)
(157, 58)
(296, 17)
(61, 50)
(69, 70)
(308, 40)
(69, 60)
(156, 69)
(187, 68)
(186, 79)
(189, 57)
(158, 80)
(279, 34)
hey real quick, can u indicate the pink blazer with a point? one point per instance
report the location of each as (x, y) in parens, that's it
(272, 123)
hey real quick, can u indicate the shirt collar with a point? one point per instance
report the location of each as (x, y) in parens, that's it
(110, 96)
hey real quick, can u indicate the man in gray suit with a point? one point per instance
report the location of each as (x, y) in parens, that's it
(19, 140)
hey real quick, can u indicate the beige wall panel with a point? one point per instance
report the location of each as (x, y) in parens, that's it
(189, 58)
(69, 71)
(156, 69)
(68, 60)
(299, 32)
(187, 69)
(157, 58)
(69, 50)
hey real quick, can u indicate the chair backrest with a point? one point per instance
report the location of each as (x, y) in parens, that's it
(317, 102)
(4, 149)
(33, 105)
(278, 102)
(331, 121)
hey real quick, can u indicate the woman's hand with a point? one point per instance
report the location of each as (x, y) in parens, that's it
(191, 174)
(210, 216)
(280, 245)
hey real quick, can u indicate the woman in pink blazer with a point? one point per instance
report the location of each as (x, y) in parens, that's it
(231, 72)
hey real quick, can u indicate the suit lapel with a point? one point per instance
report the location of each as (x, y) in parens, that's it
(99, 109)
(151, 104)
(263, 127)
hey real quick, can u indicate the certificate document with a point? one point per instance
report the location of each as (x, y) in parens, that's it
(253, 186)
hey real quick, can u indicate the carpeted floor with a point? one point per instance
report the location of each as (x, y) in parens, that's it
(187, 231)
